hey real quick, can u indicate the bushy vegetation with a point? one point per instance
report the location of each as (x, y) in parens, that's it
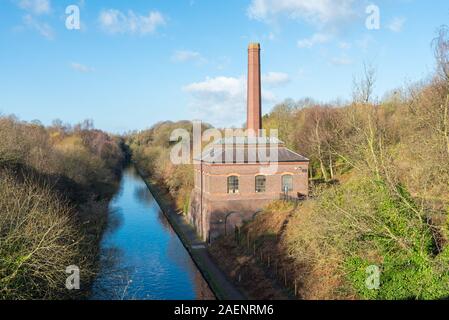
(150, 150)
(388, 202)
(55, 183)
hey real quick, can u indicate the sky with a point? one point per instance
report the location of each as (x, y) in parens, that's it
(134, 63)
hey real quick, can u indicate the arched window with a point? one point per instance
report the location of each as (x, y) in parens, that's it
(261, 182)
(233, 184)
(287, 183)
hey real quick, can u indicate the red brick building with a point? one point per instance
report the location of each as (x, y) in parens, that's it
(238, 176)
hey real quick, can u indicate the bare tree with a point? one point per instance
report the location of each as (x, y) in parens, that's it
(441, 50)
(364, 87)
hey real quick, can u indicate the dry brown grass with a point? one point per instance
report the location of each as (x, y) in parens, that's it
(246, 271)
(314, 262)
(255, 276)
(271, 220)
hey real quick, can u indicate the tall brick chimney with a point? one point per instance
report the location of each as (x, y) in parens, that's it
(254, 113)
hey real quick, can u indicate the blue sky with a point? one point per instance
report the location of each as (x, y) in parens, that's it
(134, 63)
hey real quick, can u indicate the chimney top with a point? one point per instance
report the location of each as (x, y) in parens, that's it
(254, 45)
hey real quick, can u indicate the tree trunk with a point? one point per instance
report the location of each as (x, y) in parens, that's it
(331, 167)
(323, 170)
(320, 155)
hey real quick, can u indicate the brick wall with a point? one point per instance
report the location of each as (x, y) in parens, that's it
(222, 210)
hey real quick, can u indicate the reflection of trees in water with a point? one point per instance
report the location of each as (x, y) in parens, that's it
(132, 172)
(144, 195)
(116, 280)
(115, 220)
(118, 194)
(164, 222)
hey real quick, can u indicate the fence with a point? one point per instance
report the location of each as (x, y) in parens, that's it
(296, 199)
(271, 264)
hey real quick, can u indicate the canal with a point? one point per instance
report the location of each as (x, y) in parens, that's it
(141, 255)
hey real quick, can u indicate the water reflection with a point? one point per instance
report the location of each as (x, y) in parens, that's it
(142, 257)
(145, 196)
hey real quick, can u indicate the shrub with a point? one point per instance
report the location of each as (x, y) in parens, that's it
(54, 187)
(362, 223)
(38, 240)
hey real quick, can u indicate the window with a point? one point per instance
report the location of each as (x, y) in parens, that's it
(233, 184)
(261, 182)
(287, 183)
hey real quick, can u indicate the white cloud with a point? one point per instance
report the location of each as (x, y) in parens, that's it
(274, 79)
(222, 100)
(397, 24)
(341, 61)
(114, 21)
(36, 7)
(226, 88)
(315, 11)
(187, 55)
(81, 68)
(43, 28)
(317, 38)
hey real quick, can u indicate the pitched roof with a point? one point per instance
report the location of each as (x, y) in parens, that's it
(237, 154)
(244, 140)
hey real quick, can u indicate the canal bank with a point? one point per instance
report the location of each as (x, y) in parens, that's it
(219, 283)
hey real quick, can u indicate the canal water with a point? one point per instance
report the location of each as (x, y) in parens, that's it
(141, 255)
